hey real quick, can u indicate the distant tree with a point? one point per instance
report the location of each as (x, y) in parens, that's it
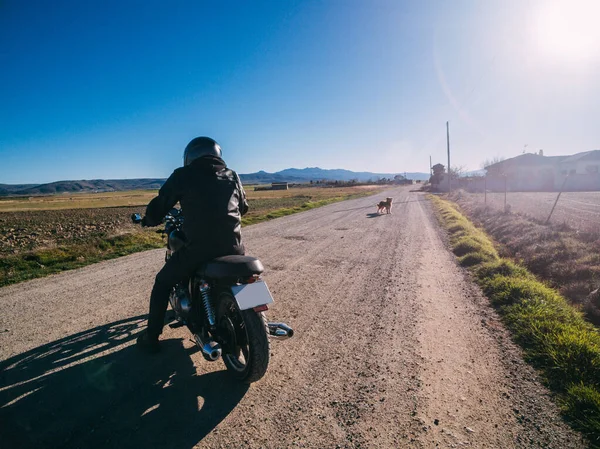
(485, 164)
(458, 171)
(438, 173)
(439, 169)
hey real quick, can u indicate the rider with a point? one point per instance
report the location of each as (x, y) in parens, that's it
(213, 201)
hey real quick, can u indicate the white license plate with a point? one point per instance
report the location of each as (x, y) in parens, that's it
(252, 295)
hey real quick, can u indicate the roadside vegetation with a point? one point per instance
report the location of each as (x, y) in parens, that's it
(35, 242)
(554, 335)
(42, 262)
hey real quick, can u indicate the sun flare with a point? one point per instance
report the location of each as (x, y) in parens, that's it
(568, 30)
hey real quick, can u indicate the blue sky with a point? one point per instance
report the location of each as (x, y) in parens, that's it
(115, 89)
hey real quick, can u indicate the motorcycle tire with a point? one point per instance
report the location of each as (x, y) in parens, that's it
(246, 355)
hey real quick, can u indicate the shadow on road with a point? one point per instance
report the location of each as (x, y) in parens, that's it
(90, 390)
(374, 215)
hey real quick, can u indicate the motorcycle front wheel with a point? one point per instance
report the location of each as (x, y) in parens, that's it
(245, 342)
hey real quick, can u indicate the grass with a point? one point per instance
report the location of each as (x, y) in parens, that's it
(42, 262)
(555, 337)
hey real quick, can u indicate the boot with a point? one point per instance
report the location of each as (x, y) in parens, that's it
(148, 343)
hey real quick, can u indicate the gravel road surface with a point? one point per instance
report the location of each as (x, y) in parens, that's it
(394, 347)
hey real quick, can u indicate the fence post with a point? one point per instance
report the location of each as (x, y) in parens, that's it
(505, 190)
(558, 196)
(485, 190)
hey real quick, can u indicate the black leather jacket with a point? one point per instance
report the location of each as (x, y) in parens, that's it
(213, 201)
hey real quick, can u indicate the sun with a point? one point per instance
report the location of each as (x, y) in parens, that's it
(567, 30)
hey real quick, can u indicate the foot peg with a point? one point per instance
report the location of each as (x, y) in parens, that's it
(280, 331)
(176, 324)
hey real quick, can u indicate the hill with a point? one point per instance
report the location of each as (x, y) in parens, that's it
(89, 186)
(8, 189)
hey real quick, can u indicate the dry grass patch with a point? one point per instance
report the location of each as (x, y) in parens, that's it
(63, 201)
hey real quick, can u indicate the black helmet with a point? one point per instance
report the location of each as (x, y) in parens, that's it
(200, 147)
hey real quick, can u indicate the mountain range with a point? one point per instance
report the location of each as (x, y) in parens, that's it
(316, 174)
(292, 175)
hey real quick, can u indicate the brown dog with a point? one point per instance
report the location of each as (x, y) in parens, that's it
(385, 206)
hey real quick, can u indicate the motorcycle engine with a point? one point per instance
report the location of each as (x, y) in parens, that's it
(180, 302)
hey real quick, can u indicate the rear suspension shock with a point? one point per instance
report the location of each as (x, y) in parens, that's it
(208, 308)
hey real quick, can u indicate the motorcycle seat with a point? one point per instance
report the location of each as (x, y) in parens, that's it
(231, 267)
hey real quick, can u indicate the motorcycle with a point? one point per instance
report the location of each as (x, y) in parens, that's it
(223, 305)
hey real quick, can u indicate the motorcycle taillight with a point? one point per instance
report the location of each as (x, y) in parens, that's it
(251, 280)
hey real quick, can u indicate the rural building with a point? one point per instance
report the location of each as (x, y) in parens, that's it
(536, 172)
(584, 163)
(279, 186)
(273, 186)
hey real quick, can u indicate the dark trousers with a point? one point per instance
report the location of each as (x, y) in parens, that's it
(180, 267)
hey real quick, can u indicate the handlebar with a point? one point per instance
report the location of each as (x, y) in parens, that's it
(174, 217)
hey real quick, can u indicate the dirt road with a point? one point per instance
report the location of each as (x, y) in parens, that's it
(394, 347)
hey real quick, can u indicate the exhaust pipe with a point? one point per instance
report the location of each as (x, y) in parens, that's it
(211, 350)
(280, 331)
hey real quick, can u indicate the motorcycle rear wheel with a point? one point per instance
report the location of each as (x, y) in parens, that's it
(246, 343)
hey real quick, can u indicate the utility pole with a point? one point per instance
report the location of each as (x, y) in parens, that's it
(448, 144)
(430, 169)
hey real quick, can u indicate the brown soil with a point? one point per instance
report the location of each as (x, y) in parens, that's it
(24, 231)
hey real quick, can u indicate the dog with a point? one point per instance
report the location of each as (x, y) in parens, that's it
(385, 206)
